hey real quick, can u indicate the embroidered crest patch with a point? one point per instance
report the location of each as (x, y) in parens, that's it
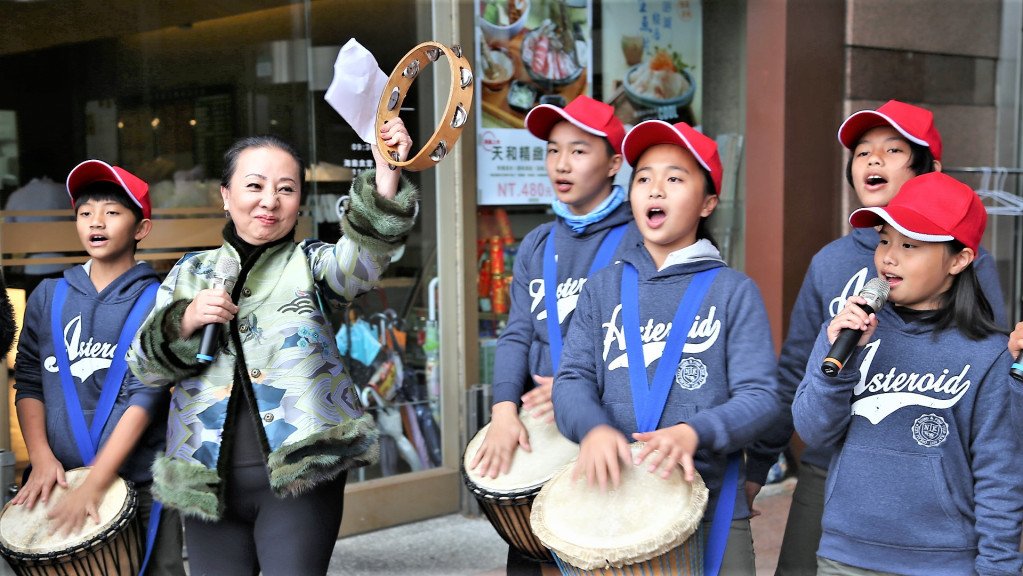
(691, 373)
(930, 430)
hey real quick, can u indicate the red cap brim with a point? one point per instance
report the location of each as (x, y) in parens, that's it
(98, 171)
(541, 120)
(855, 126)
(654, 132)
(910, 223)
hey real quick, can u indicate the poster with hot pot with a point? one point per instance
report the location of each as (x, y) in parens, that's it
(652, 53)
(529, 52)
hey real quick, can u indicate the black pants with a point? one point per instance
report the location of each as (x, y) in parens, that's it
(260, 532)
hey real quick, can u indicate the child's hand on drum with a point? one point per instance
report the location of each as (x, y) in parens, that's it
(669, 447)
(505, 435)
(46, 471)
(599, 455)
(69, 515)
(538, 400)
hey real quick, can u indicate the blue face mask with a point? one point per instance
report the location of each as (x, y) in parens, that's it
(364, 343)
(578, 223)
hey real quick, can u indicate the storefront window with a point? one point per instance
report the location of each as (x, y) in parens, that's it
(672, 61)
(163, 92)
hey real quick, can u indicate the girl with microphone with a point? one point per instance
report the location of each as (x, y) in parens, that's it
(923, 479)
(887, 147)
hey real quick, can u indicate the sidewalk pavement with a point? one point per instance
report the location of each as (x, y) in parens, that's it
(455, 545)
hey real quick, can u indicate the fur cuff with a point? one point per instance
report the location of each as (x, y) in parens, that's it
(376, 223)
(298, 467)
(172, 356)
(188, 487)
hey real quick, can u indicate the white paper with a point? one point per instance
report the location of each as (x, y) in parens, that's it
(356, 88)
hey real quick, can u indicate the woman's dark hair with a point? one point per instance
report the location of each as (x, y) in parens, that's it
(703, 226)
(921, 161)
(964, 306)
(264, 141)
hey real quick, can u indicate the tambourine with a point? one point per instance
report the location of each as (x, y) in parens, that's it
(456, 113)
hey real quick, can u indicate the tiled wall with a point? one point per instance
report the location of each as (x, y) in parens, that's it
(939, 54)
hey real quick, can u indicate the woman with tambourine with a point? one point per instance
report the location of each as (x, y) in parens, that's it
(265, 425)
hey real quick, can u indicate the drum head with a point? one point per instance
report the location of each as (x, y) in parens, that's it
(529, 470)
(645, 517)
(25, 531)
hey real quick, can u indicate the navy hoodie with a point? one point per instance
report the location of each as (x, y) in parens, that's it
(925, 474)
(92, 324)
(733, 398)
(523, 348)
(837, 272)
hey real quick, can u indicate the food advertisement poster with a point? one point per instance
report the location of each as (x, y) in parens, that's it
(528, 52)
(540, 51)
(651, 59)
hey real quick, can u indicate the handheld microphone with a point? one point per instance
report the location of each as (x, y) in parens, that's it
(224, 276)
(1017, 368)
(875, 292)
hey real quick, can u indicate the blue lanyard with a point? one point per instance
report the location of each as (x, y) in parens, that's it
(648, 398)
(550, 283)
(86, 437)
(717, 539)
(88, 441)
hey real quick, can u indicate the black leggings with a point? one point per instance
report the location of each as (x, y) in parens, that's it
(260, 532)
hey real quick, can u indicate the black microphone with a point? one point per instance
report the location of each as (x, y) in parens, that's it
(875, 292)
(224, 276)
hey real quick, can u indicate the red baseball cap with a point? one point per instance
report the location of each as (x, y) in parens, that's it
(587, 114)
(932, 207)
(653, 132)
(99, 171)
(914, 123)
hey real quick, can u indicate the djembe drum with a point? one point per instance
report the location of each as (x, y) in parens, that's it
(506, 500)
(112, 547)
(649, 525)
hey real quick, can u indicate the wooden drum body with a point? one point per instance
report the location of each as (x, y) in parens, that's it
(112, 547)
(507, 500)
(649, 525)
